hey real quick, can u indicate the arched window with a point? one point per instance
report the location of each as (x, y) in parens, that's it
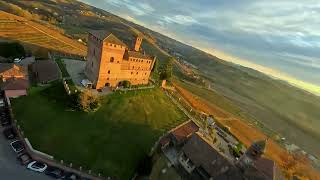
(137, 72)
(109, 72)
(111, 59)
(131, 72)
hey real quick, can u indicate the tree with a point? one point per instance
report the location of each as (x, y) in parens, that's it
(166, 72)
(88, 101)
(126, 84)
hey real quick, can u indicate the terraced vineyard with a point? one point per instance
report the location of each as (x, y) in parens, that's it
(17, 28)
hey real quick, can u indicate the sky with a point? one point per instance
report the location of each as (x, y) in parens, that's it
(278, 37)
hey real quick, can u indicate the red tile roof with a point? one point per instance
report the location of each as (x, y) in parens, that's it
(185, 130)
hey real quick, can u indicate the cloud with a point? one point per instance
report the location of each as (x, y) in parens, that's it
(179, 19)
(137, 8)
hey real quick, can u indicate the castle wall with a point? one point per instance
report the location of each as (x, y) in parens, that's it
(93, 59)
(108, 68)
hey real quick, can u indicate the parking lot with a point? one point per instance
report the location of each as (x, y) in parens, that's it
(10, 168)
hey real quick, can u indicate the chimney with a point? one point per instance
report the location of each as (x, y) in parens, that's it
(138, 43)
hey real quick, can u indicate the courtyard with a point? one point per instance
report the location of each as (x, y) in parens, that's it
(110, 141)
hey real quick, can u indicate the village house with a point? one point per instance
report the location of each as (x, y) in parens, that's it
(110, 62)
(200, 156)
(45, 71)
(13, 79)
(15, 87)
(10, 70)
(206, 157)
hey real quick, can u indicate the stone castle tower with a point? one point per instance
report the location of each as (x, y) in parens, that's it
(110, 62)
(138, 43)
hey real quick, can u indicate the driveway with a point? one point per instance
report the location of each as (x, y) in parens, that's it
(10, 169)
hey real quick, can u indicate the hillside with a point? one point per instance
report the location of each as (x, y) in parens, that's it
(273, 106)
(30, 33)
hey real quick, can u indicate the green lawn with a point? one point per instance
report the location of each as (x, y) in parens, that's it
(110, 141)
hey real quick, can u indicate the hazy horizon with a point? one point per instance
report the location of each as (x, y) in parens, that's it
(280, 38)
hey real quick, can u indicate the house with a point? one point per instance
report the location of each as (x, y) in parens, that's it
(15, 87)
(45, 71)
(110, 62)
(10, 70)
(199, 156)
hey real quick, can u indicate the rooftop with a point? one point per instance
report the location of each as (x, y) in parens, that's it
(107, 37)
(10, 69)
(185, 130)
(204, 155)
(140, 55)
(15, 84)
(46, 71)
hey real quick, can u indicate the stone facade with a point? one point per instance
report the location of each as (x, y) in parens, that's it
(110, 62)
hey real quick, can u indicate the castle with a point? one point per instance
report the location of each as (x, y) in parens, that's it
(110, 61)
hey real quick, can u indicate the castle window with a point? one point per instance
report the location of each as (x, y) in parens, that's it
(118, 62)
(141, 60)
(109, 72)
(145, 73)
(131, 72)
(92, 64)
(114, 45)
(111, 59)
(132, 67)
(137, 72)
(110, 44)
(107, 78)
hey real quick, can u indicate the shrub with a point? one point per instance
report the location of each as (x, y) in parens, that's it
(88, 101)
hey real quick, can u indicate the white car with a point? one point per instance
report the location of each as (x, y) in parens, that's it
(86, 83)
(17, 146)
(17, 60)
(37, 166)
(1, 102)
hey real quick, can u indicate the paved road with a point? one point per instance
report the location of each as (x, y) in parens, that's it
(10, 169)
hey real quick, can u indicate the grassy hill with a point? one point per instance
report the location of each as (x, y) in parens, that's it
(110, 141)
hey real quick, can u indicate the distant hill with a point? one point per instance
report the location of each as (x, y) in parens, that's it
(283, 110)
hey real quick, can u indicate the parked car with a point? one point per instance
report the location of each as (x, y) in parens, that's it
(54, 172)
(24, 158)
(71, 176)
(2, 104)
(17, 146)
(17, 60)
(10, 133)
(37, 166)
